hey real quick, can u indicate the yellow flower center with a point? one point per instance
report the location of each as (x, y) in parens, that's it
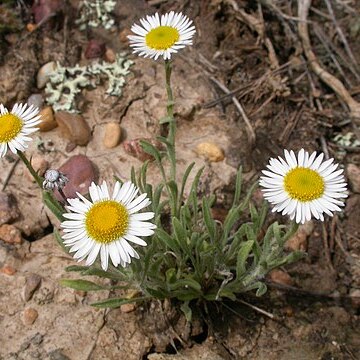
(304, 184)
(162, 37)
(107, 221)
(10, 126)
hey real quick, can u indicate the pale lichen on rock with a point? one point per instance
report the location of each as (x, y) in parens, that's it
(96, 13)
(66, 82)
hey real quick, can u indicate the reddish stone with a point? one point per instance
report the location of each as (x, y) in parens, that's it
(8, 270)
(10, 234)
(80, 172)
(134, 148)
(43, 9)
(95, 49)
(280, 277)
(29, 316)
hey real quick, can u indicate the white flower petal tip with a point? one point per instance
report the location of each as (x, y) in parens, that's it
(304, 186)
(107, 225)
(161, 37)
(15, 126)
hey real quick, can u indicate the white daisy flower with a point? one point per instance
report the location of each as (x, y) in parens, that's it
(15, 126)
(161, 36)
(304, 186)
(107, 224)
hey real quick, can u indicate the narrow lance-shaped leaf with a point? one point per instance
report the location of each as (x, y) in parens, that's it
(151, 150)
(185, 308)
(83, 285)
(59, 240)
(242, 257)
(238, 184)
(261, 289)
(117, 302)
(133, 176)
(186, 283)
(184, 180)
(209, 221)
(173, 190)
(167, 240)
(53, 205)
(180, 232)
(142, 176)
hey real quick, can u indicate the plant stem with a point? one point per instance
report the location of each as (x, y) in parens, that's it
(63, 196)
(48, 197)
(34, 174)
(171, 121)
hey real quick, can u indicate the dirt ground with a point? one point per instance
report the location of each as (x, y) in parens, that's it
(255, 49)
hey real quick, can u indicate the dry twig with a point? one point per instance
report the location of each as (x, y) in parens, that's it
(249, 129)
(326, 247)
(325, 76)
(11, 171)
(257, 25)
(340, 32)
(290, 126)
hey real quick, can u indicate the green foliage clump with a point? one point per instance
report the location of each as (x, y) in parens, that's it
(194, 257)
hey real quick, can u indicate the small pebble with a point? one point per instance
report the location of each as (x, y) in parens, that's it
(10, 234)
(44, 73)
(31, 27)
(95, 49)
(8, 270)
(126, 308)
(36, 100)
(73, 127)
(29, 316)
(210, 151)
(47, 119)
(134, 148)
(280, 277)
(9, 210)
(123, 36)
(32, 283)
(299, 240)
(112, 135)
(353, 173)
(110, 55)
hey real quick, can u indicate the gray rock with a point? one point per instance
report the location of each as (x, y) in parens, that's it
(36, 100)
(9, 211)
(57, 355)
(31, 285)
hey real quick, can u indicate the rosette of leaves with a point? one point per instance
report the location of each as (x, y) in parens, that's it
(192, 257)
